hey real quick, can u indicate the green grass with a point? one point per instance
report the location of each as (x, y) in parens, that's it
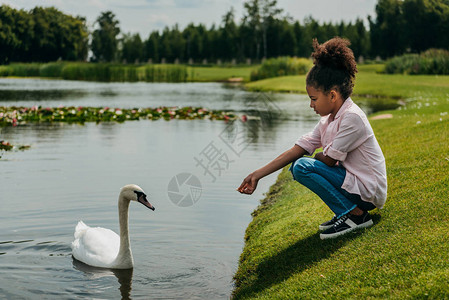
(368, 82)
(404, 255)
(208, 74)
(381, 91)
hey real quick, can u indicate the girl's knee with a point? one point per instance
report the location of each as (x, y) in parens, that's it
(302, 166)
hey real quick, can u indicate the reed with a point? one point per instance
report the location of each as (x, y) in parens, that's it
(125, 73)
(163, 73)
(24, 70)
(86, 71)
(105, 72)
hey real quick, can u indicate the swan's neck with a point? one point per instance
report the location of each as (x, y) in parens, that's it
(124, 258)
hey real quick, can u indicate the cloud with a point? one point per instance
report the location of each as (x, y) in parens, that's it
(158, 20)
(94, 3)
(190, 4)
(160, 3)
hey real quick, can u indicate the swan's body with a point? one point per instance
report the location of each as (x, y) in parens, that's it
(101, 247)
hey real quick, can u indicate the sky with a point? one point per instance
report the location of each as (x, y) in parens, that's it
(145, 16)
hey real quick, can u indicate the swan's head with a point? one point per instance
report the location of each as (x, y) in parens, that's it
(132, 192)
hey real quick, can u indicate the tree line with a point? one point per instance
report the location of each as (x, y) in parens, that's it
(264, 31)
(412, 26)
(41, 35)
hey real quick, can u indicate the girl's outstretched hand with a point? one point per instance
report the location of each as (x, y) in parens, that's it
(249, 184)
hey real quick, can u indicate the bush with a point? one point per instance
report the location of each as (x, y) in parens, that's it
(4, 71)
(51, 70)
(282, 66)
(24, 70)
(430, 62)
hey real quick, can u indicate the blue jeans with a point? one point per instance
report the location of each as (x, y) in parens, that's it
(326, 182)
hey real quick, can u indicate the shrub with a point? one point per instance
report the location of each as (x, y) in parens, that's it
(51, 70)
(432, 61)
(281, 66)
(24, 70)
(4, 71)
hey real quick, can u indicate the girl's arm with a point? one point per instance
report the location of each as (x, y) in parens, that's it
(325, 159)
(249, 184)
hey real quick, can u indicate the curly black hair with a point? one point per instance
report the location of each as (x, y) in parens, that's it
(334, 67)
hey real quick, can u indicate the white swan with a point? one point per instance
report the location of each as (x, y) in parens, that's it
(100, 247)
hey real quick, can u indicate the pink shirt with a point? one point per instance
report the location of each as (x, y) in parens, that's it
(350, 139)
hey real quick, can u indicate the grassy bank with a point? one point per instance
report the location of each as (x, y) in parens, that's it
(108, 72)
(217, 73)
(405, 254)
(368, 82)
(379, 91)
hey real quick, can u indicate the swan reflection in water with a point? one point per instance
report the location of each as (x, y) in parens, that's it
(124, 276)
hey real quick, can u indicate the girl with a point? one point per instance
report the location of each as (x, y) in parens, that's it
(349, 175)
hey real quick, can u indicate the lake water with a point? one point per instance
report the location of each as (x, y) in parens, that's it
(182, 250)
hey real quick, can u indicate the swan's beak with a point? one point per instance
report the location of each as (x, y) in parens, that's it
(143, 199)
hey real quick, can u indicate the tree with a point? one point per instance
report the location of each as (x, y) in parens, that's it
(151, 50)
(246, 41)
(387, 30)
(426, 24)
(206, 44)
(104, 38)
(257, 17)
(16, 32)
(80, 40)
(193, 36)
(314, 30)
(228, 37)
(178, 43)
(303, 43)
(268, 14)
(165, 45)
(172, 44)
(42, 34)
(213, 35)
(288, 42)
(132, 48)
(361, 44)
(350, 32)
